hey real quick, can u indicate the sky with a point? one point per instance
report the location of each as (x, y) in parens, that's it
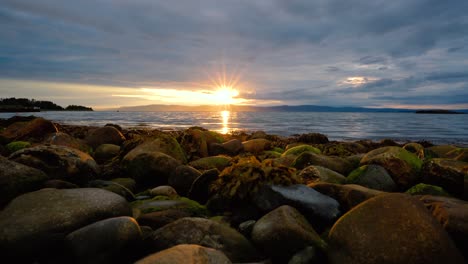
(110, 53)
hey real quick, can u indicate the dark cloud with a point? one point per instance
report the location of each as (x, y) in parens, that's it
(279, 49)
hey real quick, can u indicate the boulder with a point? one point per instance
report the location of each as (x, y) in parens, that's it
(163, 143)
(390, 228)
(415, 148)
(16, 179)
(186, 254)
(105, 241)
(427, 189)
(201, 187)
(343, 149)
(34, 130)
(441, 150)
(17, 145)
(297, 150)
(403, 166)
(164, 190)
(213, 162)
(256, 145)
(195, 141)
(446, 173)
(314, 205)
(59, 184)
(64, 139)
(320, 174)
(59, 162)
(452, 214)
(348, 195)
(106, 152)
(35, 224)
(208, 233)
(150, 168)
(159, 219)
(372, 176)
(231, 148)
(284, 224)
(161, 203)
(113, 187)
(182, 178)
(337, 164)
(312, 138)
(104, 135)
(305, 256)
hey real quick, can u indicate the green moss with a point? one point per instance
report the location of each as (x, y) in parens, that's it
(185, 204)
(17, 145)
(277, 149)
(355, 174)
(297, 150)
(219, 162)
(411, 159)
(427, 189)
(218, 137)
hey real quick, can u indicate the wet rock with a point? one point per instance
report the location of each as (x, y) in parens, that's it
(105, 241)
(149, 168)
(231, 148)
(348, 195)
(427, 189)
(183, 178)
(64, 139)
(320, 174)
(403, 166)
(163, 143)
(297, 150)
(16, 179)
(337, 164)
(35, 224)
(106, 152)
(164, 190)
(446, 173)
(195, 142)
(213, 162)
(208, 233)
(161, 203)
(283, 232)
(323, 209)
(256, 145)
(376, 230)
(372, 176)
(186, 254)
(59, 162)
(104, 135)
(113, 187)
(34, 130)
(201, 188)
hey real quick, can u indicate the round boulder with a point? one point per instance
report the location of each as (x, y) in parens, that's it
(182, 178)
(447, 173)
(34, 130)
(372, 176)
(186, 254)
(104, 135)
(390, 228)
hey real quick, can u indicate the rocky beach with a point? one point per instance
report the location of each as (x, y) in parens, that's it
(82, 194)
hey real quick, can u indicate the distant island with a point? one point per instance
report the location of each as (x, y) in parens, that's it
(438, 111)
(31, 105)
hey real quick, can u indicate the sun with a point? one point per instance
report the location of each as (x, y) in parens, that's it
(225, 95)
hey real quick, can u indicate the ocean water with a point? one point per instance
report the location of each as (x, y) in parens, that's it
(439, 129)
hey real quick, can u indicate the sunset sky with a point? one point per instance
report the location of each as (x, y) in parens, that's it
(110, 53)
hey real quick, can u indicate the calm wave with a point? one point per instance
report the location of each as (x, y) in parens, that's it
(439, 129)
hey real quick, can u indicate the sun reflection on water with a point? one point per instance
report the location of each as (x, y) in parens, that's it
(225, 115)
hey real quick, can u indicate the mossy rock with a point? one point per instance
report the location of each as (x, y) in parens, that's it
(460, 154)
(427, 189)
(372, 176)
(269, 154)
(415, 148)
(321, 174)
(343, 149)
(17, 145)
(277, 149)
(449, 174)
(402, 165)
(297, 150)
(441, 150)
(214, 162)
(161, 203)
(337, 164)
(128, 183)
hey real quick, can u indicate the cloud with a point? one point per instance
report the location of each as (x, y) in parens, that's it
(289, 52)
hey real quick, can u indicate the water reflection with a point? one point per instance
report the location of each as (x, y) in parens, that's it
(225, 115)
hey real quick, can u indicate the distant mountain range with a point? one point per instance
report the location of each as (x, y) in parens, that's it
(245, 108)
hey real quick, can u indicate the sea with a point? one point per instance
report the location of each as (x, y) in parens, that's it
(343, 126)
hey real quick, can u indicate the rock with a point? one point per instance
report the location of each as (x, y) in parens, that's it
(183, 178)
(415, 148)
(186, 254)
(403, 166)
(104, 135)
(297, 150)
(355, 159)
(195, 142)
(165, 191)
(159, 219)
(258, 134)
(106, 152)
(35, 224)
(113, 187)
(150, 168)
(320, 174)
(128, 183)
(313, 138)
(441, 150)
(460, 154)
(372, 176)
(59, 184)
(161, 203)
(59, 162)
(269, 154)
(105, 241)
(427, 189)
(337, 164)
(246, 228)
(17, 145)
(446, 173)
(163, 143)
(201, 188)
(390, 228)
(231, 148)
(256, 145)
(213, 162)
(16, 179)
(348, 195)
(314, 205)
(306, 256)
(343, 149)
(283, 224)
(64, 139)
(208, 233)
(34, 130)
(453, 215)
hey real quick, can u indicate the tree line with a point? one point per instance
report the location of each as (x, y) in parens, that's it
(43, 105)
